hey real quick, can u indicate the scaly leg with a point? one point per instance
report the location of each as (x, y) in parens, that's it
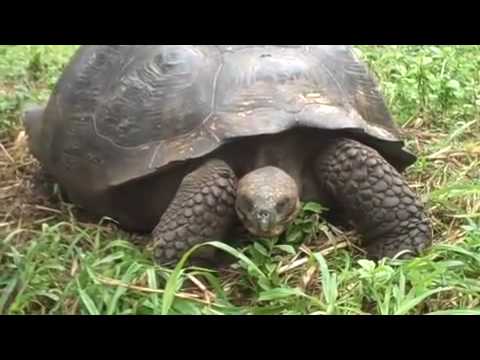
(375, 197)
(202, 211)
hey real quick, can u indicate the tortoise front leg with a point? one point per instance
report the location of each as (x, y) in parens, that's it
(384, 210)
(201, 211)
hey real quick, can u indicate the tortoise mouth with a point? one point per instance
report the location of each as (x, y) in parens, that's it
(264, 224)
(270, 233)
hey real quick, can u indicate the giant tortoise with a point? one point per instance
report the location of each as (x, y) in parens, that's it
(183, 141)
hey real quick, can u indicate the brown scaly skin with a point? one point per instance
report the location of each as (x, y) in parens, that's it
(202, 211)
(355, 178)
(375, 197)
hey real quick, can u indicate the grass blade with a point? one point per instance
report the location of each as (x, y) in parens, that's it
(126, 279)
(456, 312)
(87, 301)
(329, 283)
(238, 255)
(7, 295)
(405, 307)
(175, 276)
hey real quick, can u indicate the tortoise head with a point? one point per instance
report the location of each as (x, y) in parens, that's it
(267, 201)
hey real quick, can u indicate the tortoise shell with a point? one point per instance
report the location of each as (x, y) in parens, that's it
(124, 112)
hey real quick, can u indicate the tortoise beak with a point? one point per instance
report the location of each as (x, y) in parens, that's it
(265, 222)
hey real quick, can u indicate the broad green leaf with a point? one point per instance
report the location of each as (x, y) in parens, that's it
(286, 248)
(313, 207)
(260, 248)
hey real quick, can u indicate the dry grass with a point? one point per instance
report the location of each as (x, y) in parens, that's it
(24, 201)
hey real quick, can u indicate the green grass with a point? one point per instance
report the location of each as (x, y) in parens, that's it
(52, 263)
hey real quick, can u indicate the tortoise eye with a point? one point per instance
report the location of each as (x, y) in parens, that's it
(246, 204)
(282, 204)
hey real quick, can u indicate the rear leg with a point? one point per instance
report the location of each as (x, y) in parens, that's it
(32, 121)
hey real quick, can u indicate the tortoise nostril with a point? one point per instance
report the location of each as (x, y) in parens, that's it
(263, 214)
(264, 220)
